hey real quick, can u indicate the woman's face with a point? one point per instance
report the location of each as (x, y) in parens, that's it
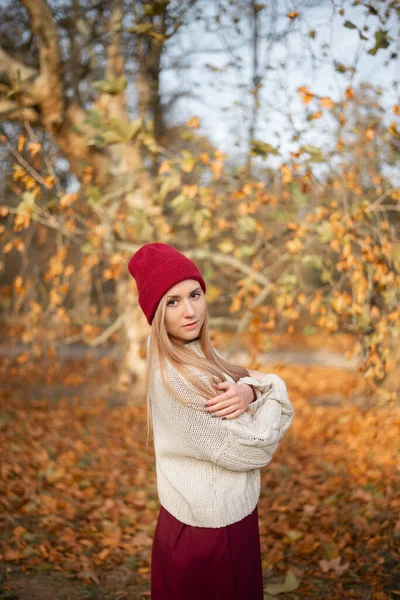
(186, 304)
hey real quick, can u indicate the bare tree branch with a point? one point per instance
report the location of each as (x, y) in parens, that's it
(18, 90)
(51, 87)
(15, 71)
(13, 112)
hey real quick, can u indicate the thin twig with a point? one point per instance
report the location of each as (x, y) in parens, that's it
(28, 167)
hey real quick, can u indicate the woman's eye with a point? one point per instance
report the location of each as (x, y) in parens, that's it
(195, 294)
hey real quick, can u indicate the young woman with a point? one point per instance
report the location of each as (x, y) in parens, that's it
(215, 425)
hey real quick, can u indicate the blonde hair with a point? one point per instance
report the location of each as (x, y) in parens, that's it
(181, 358)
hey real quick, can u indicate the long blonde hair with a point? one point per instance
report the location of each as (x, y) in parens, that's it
(162, 348)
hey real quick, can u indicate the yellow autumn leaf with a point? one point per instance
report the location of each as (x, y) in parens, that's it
(226, 246)
(213, 293)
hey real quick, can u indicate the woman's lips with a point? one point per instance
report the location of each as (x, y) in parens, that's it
(190, 325)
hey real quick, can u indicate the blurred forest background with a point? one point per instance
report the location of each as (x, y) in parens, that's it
(261, 139)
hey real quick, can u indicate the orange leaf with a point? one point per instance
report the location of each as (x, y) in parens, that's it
(165, 167)
(193, 122)
(21, 142)
(326, 102)
(307, 96)
(235, 306)
(293, 15)
(369, 133)
(34, 148)
(349, 93)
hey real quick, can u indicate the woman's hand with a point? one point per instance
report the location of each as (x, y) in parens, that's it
(233, 402)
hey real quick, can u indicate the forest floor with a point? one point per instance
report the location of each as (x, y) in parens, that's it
(78, 496)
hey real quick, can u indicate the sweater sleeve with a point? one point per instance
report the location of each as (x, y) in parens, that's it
(242, 444)
(266, 419)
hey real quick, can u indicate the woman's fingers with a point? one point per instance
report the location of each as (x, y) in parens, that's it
(235, 414)
(227, 410)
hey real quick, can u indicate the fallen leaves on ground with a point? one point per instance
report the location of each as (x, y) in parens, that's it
(78, 487)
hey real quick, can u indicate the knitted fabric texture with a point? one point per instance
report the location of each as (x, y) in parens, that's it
(156, 268)
(208, 470)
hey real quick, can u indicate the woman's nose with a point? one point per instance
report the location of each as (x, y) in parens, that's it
(188, 308)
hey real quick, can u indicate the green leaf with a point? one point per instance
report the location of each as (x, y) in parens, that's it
(246, 250)
(157, 7)
(258, 148)
(170, 183)
(381, 41)
(340, 67)
(111, 86)
(93, 195)
(312, 260)
(188, 161)
(315, 153)
(289, 280)
(215, 69)
(363, 321)
(27, 203)
(94, 118)
(126, 130)
(294, 535)
(350, 25)
(325, 232)
(97, 141)
(179, 203)
(247, 224)
(309, 330)
(111, 137)
(141, 28)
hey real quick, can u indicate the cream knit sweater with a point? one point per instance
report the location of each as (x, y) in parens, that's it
(208, 470)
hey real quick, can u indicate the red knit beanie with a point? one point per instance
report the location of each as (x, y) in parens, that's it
(157, 268)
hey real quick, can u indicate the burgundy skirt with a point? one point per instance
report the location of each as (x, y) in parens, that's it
(206, 563)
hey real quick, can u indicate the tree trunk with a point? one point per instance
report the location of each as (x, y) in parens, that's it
(118, 170)
(134, 332)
